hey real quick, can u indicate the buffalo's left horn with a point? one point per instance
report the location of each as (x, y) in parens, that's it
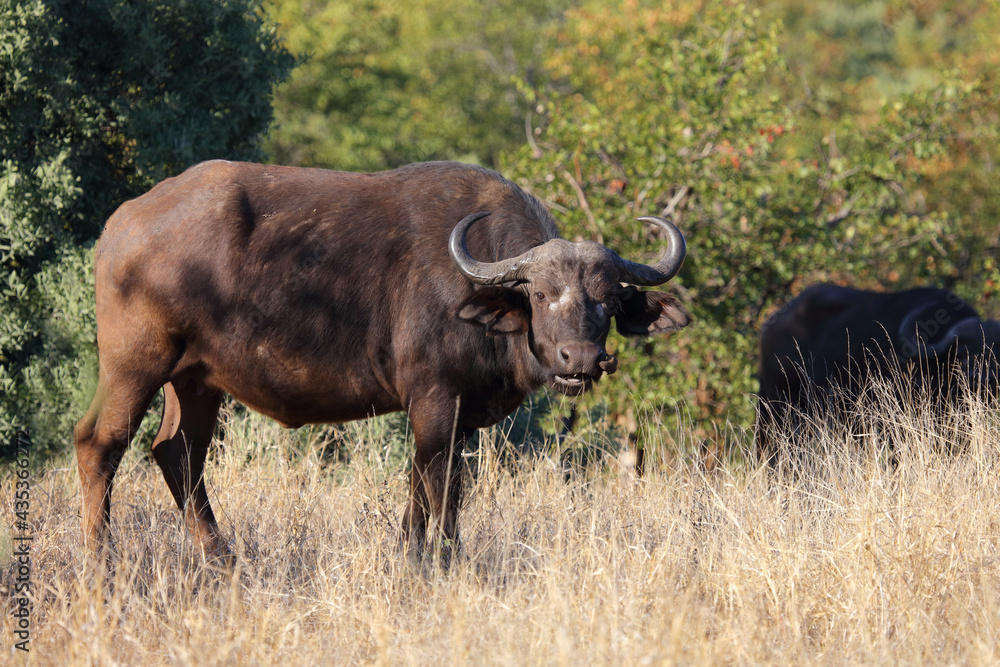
(484, 273)
(647, 275)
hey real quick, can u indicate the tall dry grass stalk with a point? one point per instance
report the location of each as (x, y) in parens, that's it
(850, 559)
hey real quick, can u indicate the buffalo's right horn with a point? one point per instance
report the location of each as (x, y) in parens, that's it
(967, 329)
(972, 333)
(644, 275)
(485, 273)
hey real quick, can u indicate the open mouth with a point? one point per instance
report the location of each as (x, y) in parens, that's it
(573, 385)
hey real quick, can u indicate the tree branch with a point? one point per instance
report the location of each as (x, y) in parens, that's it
(585, 206)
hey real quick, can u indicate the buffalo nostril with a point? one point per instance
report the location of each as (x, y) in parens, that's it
(582, 357)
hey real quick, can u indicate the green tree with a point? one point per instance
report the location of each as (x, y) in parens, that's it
(684, 111)
(99, 99)
(849, 56)
(383, 85)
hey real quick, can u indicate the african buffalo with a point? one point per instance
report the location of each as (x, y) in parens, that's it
(314, 296)
(830, 342)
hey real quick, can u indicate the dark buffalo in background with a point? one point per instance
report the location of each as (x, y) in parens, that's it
(830, 342)
(439, 289)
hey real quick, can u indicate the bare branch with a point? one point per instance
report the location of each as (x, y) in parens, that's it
(670, 209)
(585, 206)
(529, 132)
(844, 212)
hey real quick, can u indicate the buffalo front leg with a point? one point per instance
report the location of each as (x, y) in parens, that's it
(431, 516)
(180, 448)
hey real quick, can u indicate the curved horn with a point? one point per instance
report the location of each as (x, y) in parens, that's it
(484, 273)
(669, 264)
(991, 333)
(974, 334)
(966, 329)
(909, 334)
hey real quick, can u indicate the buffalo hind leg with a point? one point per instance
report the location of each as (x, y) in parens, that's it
(180, 448)
(101, 439)
(431, 517)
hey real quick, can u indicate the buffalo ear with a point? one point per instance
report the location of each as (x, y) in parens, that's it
(648, 313)
(500, 310)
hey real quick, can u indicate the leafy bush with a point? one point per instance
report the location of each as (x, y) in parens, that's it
(99, 99)
(383, 84)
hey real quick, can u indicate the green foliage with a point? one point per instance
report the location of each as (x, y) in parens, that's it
(850, 56)
(99, 99)
(383, 84)
(686, 112)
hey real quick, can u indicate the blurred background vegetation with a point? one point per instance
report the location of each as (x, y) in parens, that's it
(853, 140)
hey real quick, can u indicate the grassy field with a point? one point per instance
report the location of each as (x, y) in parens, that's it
(849, 559)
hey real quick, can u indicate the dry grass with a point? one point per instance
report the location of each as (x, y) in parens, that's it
(850, 560)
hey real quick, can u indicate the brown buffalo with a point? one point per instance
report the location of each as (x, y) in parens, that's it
(830, 342)
(313, 296)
